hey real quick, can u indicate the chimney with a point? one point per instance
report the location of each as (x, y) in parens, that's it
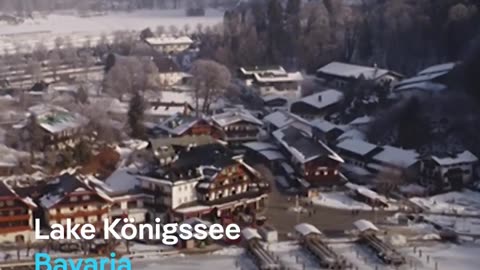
(319, 97)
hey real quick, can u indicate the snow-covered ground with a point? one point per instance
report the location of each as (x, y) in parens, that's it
(339, 200)
(81, 29)
(447, 257)
(465, 202)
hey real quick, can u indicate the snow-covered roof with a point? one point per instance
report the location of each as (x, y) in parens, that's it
(356, 146)
(323, 125)
(276, 70)
(287, 77)
(302, 146)
(55, 119)
(322, 99)
(352, 71)
(168, 40)
(364, 225)
(278, 119)
(250, 234)
(272, 155)
(438, 68)
(121, 181)
(235, 116)
(178, 123)
(464, 157)
(361, 120)
(305, 229)
(396, 156)
(352, 134)
(260, 146)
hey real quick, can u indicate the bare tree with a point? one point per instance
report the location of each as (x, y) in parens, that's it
(129, 75)
(160, 30)
(34, 69)
(88, 61)
(389, 180)
(54, 62)
(59, 42)
(173, 30)
(40, 52)
(210, 80)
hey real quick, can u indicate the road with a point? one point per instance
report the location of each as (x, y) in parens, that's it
(332, 222)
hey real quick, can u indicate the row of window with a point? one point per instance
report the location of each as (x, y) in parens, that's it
(78, 198)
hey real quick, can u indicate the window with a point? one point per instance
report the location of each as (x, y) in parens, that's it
(10, 203)
(2, 203)
(86, 197)
(74, 199)
(85, 207)
(72, 208)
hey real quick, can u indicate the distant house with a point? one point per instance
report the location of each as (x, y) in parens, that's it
(72, 197)
(326, 131)
(169, 44)
(443, 173)
(181, 125)
(16, 221)
(313, 161)
(317, 105)
(394, 158)
(237, 126)
(342, 75)
(165, 149)
(428, 81)
(275, 102)
(273, 81)
(364, 159)
(278, 119)
(169, 72)
(60, 128)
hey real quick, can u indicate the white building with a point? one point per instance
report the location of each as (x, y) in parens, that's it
(448, 172)
(273, 81)
(169, 44)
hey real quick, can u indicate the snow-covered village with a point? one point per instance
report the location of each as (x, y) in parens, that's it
(337, 134)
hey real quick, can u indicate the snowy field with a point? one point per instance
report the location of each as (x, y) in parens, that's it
(81, 29)
(339, 200)
(465, 202)
(447, 257)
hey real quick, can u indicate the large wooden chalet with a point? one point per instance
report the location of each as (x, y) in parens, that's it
(237, 126)
(59, 129)
(206, 181)
(185, 125)
(72, 197)
(314, 162)
(16, 219)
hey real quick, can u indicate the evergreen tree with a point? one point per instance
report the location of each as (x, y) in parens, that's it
(34, 135)
(136, 113)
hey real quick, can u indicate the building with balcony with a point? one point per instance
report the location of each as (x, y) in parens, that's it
(16, 219)
(237, 126)
(74, 197)
(273, 81)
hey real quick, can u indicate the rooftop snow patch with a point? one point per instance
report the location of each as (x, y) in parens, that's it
(302, 146)
(464, 157)
(279, 119)
(364, 225)
(356, 146)
(396, 156)
(323, 99)
(168, 40)
(438, 68)
(352, 71)
(250, 234)
(235, 116)
(305, 229)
